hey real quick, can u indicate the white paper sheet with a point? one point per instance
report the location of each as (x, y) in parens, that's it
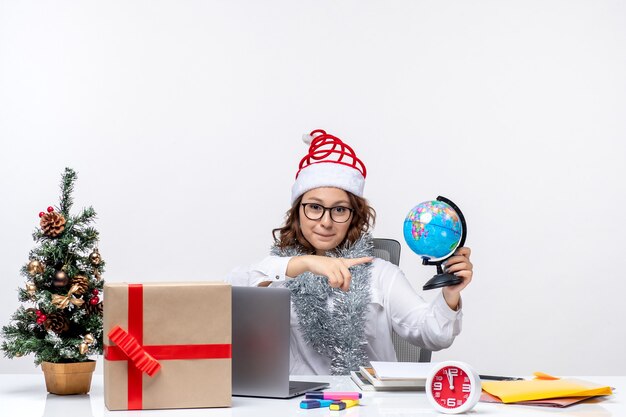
(402, 370)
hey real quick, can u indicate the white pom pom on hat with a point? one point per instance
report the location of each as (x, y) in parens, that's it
(329, 163)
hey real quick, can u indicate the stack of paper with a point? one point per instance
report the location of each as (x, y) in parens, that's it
(392, 376)
(361, 381)
(543, 390)
(402, 370)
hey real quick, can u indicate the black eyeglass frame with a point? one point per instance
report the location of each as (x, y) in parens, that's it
(329, 209)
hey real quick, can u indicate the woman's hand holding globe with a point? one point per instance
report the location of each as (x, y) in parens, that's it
(459, 264)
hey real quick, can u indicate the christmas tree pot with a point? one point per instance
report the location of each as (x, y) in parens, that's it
(68, 378)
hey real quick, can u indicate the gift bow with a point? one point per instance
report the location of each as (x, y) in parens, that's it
(62, 301)
(134, 351)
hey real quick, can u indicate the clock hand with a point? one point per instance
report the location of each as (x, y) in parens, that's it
(450, 380)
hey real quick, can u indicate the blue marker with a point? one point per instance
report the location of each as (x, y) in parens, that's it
(315, 403)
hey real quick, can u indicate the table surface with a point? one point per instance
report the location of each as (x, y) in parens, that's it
(25, 395)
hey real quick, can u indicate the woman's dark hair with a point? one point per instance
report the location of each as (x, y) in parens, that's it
(363, 217)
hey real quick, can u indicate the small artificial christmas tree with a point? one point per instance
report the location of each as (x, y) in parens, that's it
(64, 284)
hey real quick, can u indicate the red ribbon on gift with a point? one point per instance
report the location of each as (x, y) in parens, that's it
(134, 351)
(129, 347)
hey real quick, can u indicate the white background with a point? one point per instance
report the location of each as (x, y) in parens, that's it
(183, 120)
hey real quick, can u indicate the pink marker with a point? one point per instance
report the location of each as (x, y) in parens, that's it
(327, 395)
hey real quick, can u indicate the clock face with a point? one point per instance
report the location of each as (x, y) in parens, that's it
(451, 387)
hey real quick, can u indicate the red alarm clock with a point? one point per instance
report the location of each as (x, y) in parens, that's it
(453, 387)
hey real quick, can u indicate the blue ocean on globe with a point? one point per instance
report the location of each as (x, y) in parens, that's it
(433, 229)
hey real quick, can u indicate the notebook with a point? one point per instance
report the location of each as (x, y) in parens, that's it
(261, 332)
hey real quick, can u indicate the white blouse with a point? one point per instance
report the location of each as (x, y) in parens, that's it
(394, 304)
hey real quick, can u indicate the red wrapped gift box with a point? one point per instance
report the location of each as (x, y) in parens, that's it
(167, 345)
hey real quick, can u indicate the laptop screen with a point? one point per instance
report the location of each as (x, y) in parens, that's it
(261, 330)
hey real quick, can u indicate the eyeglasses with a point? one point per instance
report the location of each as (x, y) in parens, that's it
(338, 214)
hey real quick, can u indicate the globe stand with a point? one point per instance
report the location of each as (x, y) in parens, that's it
(441, 279)
(446, 279)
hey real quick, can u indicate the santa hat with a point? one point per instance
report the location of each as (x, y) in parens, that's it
(329, 163)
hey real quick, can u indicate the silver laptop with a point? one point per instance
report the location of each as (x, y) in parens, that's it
(261, 332)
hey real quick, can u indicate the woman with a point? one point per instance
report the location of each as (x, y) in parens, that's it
(345, 303)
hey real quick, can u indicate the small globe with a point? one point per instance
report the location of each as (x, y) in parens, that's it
(433, 230)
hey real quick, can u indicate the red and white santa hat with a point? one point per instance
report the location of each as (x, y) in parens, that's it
(329, 163)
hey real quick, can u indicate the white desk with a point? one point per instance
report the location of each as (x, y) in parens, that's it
(25, 395)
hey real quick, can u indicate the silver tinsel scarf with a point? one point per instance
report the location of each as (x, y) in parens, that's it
(338, 331)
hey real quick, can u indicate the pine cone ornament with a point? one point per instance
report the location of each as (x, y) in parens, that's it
(57, 323)
(82, 282)
(52, 224)
(94, 309)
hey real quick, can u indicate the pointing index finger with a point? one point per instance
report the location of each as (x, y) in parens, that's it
(356, 261)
